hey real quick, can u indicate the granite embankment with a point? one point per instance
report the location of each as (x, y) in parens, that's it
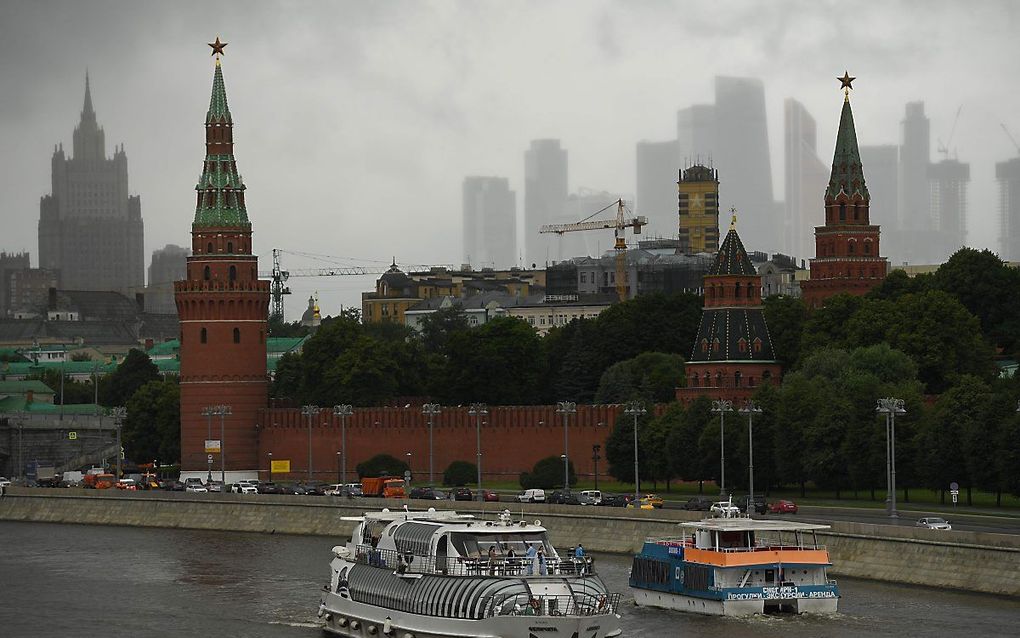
(960, 560)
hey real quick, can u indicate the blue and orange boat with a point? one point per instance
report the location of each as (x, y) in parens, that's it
(735, 567)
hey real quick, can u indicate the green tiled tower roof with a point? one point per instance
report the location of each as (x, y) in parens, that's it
(218, 110)
(847, 173)
(732, 258)
(220, 188)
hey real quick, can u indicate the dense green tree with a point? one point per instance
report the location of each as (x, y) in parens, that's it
(987, 287)
(620, 447)
(133, 372)
(365, 373)
(287, 379)
(382, 465)
(686, 460)
(68, 393)
(733, 428)
(826, 326)
(581, 365)
(320, 352)
(548, 474)
(652, 377)
(152, 427)
(500, 363)
(652, 439)
(280, 328)
(439, 326)
(898, 283)
(460, 473)
(785, 317)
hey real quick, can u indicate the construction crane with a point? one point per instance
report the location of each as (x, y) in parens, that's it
(944, 148)
(1010, 136)
(618, 225)
(278, 277)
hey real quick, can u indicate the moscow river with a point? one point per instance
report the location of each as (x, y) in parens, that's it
(79, 580)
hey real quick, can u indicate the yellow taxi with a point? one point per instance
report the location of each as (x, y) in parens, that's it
(653, 500)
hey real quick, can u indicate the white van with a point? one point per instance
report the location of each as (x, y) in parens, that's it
(590, 497)
(532, 496)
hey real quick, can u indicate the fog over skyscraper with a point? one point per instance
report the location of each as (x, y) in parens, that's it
(732, 136)
(806, 178)
(545, 192)
(490, 221)
(1008, 175)
(169, 264)
(881, 169)
(657, 166)
(90, 227)
(947, 181)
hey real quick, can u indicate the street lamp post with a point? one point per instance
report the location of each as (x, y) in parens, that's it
(21, 438)
(270, 455)
(118, 419)
(310, 411)
(408, 455)
(636, 409)
(343, 411)
(566, 408)
(223, 411)
(208, 412)
(750, 409)
(430, 410)
(595, 459)
(890, 407)
(477, 410)
(338, 479)
(721, 407)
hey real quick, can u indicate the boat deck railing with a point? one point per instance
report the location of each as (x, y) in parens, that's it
(408, 563)
(560, 605)
(760, 546)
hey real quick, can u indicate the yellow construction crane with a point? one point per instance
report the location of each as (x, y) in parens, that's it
(618, 225)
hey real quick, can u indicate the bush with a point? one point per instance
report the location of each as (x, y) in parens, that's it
(548, 474)
(460, 473)
(382, 465)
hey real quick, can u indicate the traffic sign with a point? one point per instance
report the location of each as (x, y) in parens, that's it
(209, 459)
(956, 495)
(212, 445)
(72, 436)
(954, 486)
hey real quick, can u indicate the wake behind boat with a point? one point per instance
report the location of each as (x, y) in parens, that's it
(439, 575)
(736, 566)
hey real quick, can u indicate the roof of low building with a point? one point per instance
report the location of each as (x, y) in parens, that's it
(22, 387)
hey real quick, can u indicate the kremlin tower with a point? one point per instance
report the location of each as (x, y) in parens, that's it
(733, 351)
(846, 248)
(222, 307)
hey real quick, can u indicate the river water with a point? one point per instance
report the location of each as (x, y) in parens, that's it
(81, 580)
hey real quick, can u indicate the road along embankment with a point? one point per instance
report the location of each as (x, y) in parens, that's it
(970, 561)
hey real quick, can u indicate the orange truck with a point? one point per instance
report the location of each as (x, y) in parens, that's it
(99, 481)
(384, 486)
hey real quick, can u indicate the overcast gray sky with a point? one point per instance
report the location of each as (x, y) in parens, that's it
(355, 122)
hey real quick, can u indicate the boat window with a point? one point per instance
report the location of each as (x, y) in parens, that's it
(477, 546)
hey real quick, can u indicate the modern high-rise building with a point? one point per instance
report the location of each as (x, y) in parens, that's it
(732, 136)
(490, 222)
(881, 164)
(90, 226)
(805, 176)
(915, 155)
(10, 263)
(1008, 175)
(847, 253)
(657, 166)
(223, 308)
(545, 191)
(947, 182)
(169, 264)
(698, 205)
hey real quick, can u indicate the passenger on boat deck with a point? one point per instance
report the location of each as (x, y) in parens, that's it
(579, 551)
(530, 556)
(542, 571)
(532, 608)
(492, 560)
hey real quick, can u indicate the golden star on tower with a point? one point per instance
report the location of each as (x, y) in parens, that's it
(217, 47)
(845, 82)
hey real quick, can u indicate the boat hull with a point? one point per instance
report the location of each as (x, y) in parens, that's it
(345, 617)
(717, 607)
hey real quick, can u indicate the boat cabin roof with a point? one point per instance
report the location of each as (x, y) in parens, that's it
(751, 525)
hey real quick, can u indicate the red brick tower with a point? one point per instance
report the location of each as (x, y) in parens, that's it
(222, 307)
(733, 351)
(846, 247)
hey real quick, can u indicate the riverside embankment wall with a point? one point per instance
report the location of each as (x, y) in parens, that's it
(961, 560)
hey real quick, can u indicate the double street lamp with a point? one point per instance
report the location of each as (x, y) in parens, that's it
(208, 412)
(343, 411)
(750, 409)
(890, 407)
(566, 408)
(478, 410)
(636, 409)
(118, 419)
(310, 411)
(721, 407)
(430, 410)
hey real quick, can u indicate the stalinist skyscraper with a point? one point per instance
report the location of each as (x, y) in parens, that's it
(90, 227)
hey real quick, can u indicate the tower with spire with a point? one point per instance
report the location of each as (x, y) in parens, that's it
(733, 351)
(847, 256)
(90, 226)
(223, 309)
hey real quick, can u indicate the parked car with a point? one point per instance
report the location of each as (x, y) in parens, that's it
(196, 488)
(314, 489)
(590, 497)
(652, 499)
(531, 496)
(427, 493)
(191, 481)
(171, 485)
(292, 488)
(783, 507)
(616, 500)
(698, 504)
(758, 505)
(462, 494)
(243, 488)
(215, 486)
(563, 497)
(490, 496)
(4, 482)
(127, 484)
(724, 509)
(934, 522)
(270, 488)
(353, 489)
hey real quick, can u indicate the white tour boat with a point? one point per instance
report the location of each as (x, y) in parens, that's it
(438, 574)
